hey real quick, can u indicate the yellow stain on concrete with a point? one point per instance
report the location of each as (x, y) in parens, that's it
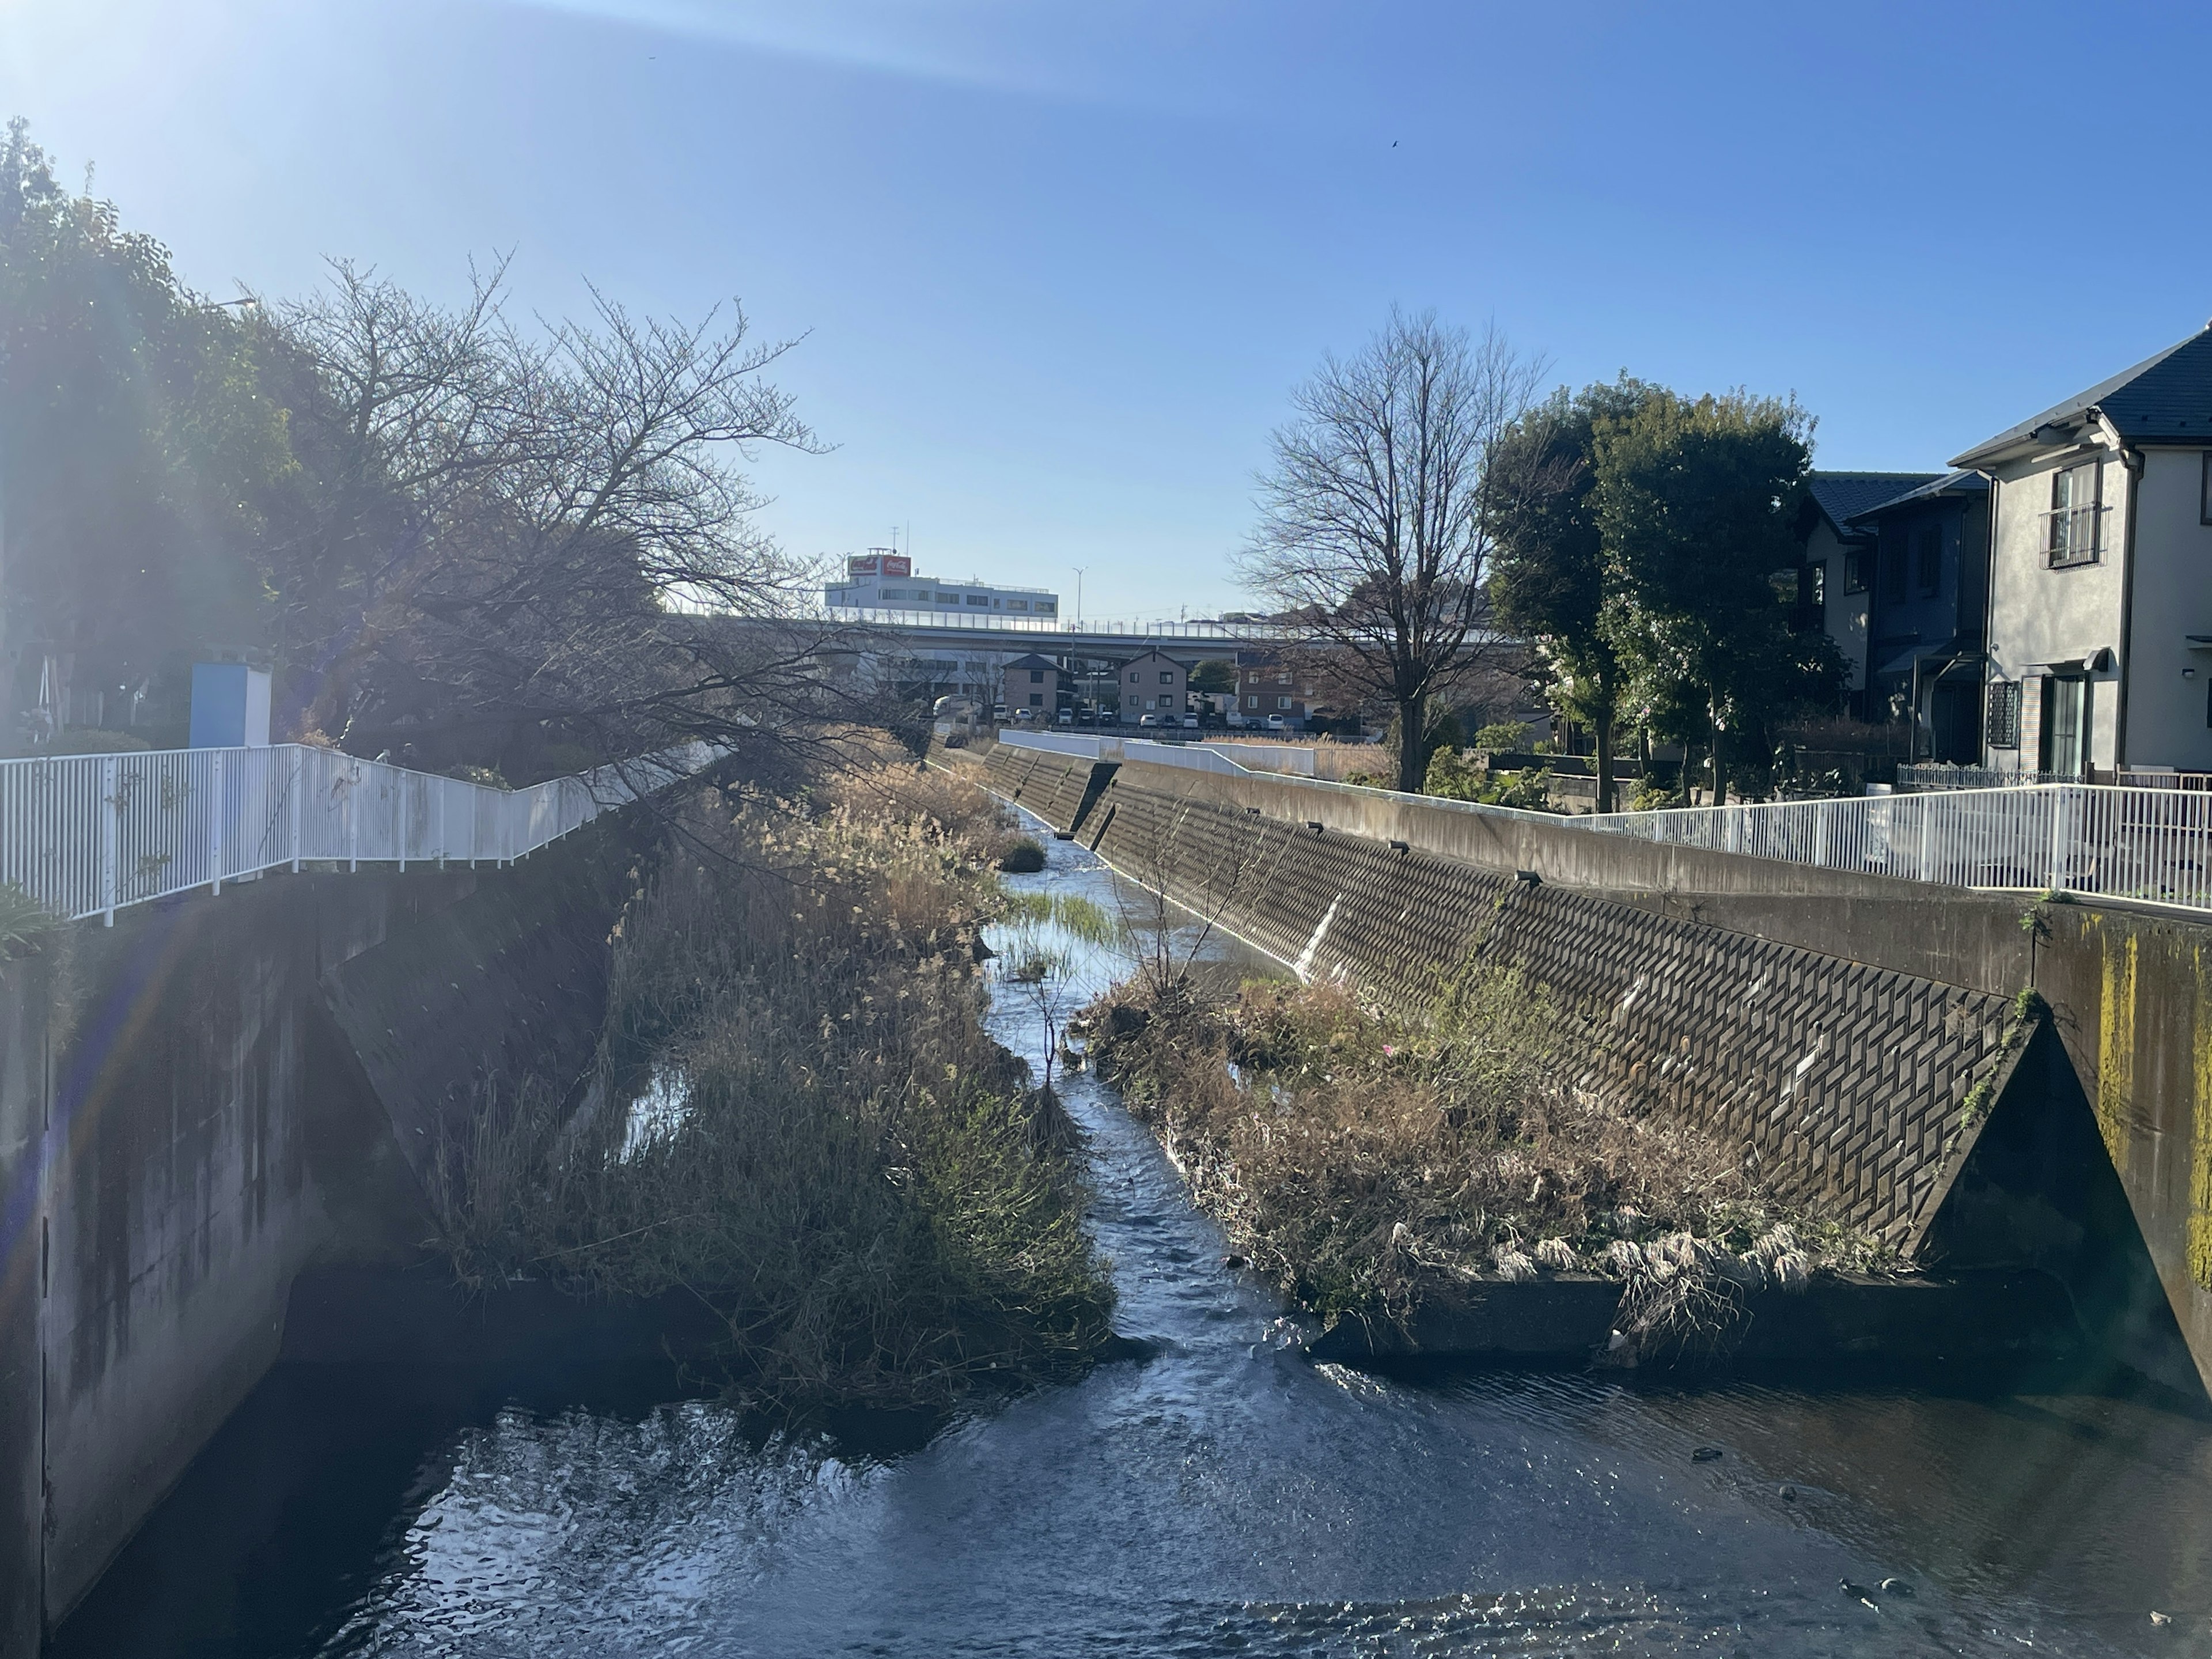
(2200, 1128)
(2115, 1049)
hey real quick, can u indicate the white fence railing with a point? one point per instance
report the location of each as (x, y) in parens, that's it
(1222, 757)
(2080, 838)
(86, 835)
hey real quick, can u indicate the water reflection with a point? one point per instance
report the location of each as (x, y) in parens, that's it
(1225, 1497)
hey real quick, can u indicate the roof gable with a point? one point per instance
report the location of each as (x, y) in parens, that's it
(2164, 398)
(1842, 496)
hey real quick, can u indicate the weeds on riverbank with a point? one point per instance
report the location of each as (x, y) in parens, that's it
(798, 1127)
(1363, 1160)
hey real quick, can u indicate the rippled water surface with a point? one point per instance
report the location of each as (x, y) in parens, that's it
(1225, 1497)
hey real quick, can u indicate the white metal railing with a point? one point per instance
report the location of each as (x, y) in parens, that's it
(1940, 775)
(2080, 838)
(86, 835)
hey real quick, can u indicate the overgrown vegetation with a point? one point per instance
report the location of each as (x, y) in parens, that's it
(1365, 1160)
(25, 923)
(802, 1126)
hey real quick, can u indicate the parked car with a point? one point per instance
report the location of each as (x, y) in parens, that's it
(1190, 721)
(1068, 717)
(1025, 716)
(1277, 723)
(1148, 719)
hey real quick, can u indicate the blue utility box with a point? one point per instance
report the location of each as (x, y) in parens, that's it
(230, 706)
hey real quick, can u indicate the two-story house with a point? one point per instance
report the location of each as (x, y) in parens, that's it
(1269, 684)
(1154, 684)
(1834, 572)
(1927, 571)
(1032, 682)
(2100, 615)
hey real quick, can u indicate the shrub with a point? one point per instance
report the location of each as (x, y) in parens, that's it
(1505, 736)
(1022, 856)
(25, 924)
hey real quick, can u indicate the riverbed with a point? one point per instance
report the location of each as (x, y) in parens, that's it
(1224, 1496)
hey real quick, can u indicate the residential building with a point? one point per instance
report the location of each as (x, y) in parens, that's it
(1154, 684)
(1835, 575)
(2099, 613)
(878, 581)
(1032, 682)
(1269, 684)
(1927, 574)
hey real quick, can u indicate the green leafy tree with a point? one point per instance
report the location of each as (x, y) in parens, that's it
(136, 455)
(1692, 500)
(1215, 676)
(1550, 581)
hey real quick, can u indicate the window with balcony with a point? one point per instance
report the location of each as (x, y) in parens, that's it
(2073, 528)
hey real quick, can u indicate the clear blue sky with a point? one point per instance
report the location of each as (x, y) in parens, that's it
(1062, 263)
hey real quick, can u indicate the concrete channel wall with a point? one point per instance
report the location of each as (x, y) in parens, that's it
(207, 1098)
(1861, 1036)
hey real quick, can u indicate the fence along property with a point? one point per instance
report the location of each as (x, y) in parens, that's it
(2102, 839)
(85, 834)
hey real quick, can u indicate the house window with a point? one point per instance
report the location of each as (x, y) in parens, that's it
(1251, 703)
(1017, 605)
(983, 600)
(2066, 744)
(1132, 676)
(948, 599)
(2004, 714)
(1928, 560)
(1816, 584)
(2071, 534)
(1036, 698)
(1166, 677)
(1282, 703)
(1855, 570)
(1036, 677)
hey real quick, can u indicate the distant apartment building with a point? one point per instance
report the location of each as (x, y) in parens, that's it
(2099, 613)
(878, 581)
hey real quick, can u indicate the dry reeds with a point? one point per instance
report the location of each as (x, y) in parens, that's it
(1361, 1158)
(800, 1123)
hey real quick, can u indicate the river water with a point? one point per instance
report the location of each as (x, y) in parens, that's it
(1223, 1496)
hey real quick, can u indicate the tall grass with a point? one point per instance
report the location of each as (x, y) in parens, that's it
(798, 1125)
(1365, 1160)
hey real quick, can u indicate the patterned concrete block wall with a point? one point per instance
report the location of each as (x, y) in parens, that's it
(1844, 1081)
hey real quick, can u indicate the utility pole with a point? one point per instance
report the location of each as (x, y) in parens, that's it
(1078, 596)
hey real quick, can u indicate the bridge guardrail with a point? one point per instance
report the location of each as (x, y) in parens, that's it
(87, 834)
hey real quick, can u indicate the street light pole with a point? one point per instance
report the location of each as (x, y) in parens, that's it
(1078, 596)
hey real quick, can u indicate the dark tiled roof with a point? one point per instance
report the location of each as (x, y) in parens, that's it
(2166, 399)
(1948, 484)
(1842, 496)
(1033, 661)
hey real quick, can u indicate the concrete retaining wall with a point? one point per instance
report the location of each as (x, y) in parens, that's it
(1836, 1023)
(203, 1100)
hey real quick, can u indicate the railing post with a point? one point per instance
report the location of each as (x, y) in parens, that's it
(1820, 835)
(215, 812)
(353, 816)
(1927, 824)
(110, 830)
(2059, 849)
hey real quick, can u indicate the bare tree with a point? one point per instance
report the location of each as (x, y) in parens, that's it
(1373, 518)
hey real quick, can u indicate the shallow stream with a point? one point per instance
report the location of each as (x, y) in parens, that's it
(1225, 1497)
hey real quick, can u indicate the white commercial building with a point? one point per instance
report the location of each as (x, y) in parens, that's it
(877, 580)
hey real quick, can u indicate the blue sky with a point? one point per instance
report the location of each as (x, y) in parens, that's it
(1058, 266)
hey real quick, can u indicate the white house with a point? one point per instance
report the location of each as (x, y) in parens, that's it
(2099, 613)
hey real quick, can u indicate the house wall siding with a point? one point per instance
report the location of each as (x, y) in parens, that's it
(2173, 598)
(2038, 615)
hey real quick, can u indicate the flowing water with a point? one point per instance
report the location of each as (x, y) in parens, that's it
(1225, 1495)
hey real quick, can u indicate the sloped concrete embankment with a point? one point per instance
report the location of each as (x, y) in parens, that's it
(212, 1096)
(1861, 1038)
